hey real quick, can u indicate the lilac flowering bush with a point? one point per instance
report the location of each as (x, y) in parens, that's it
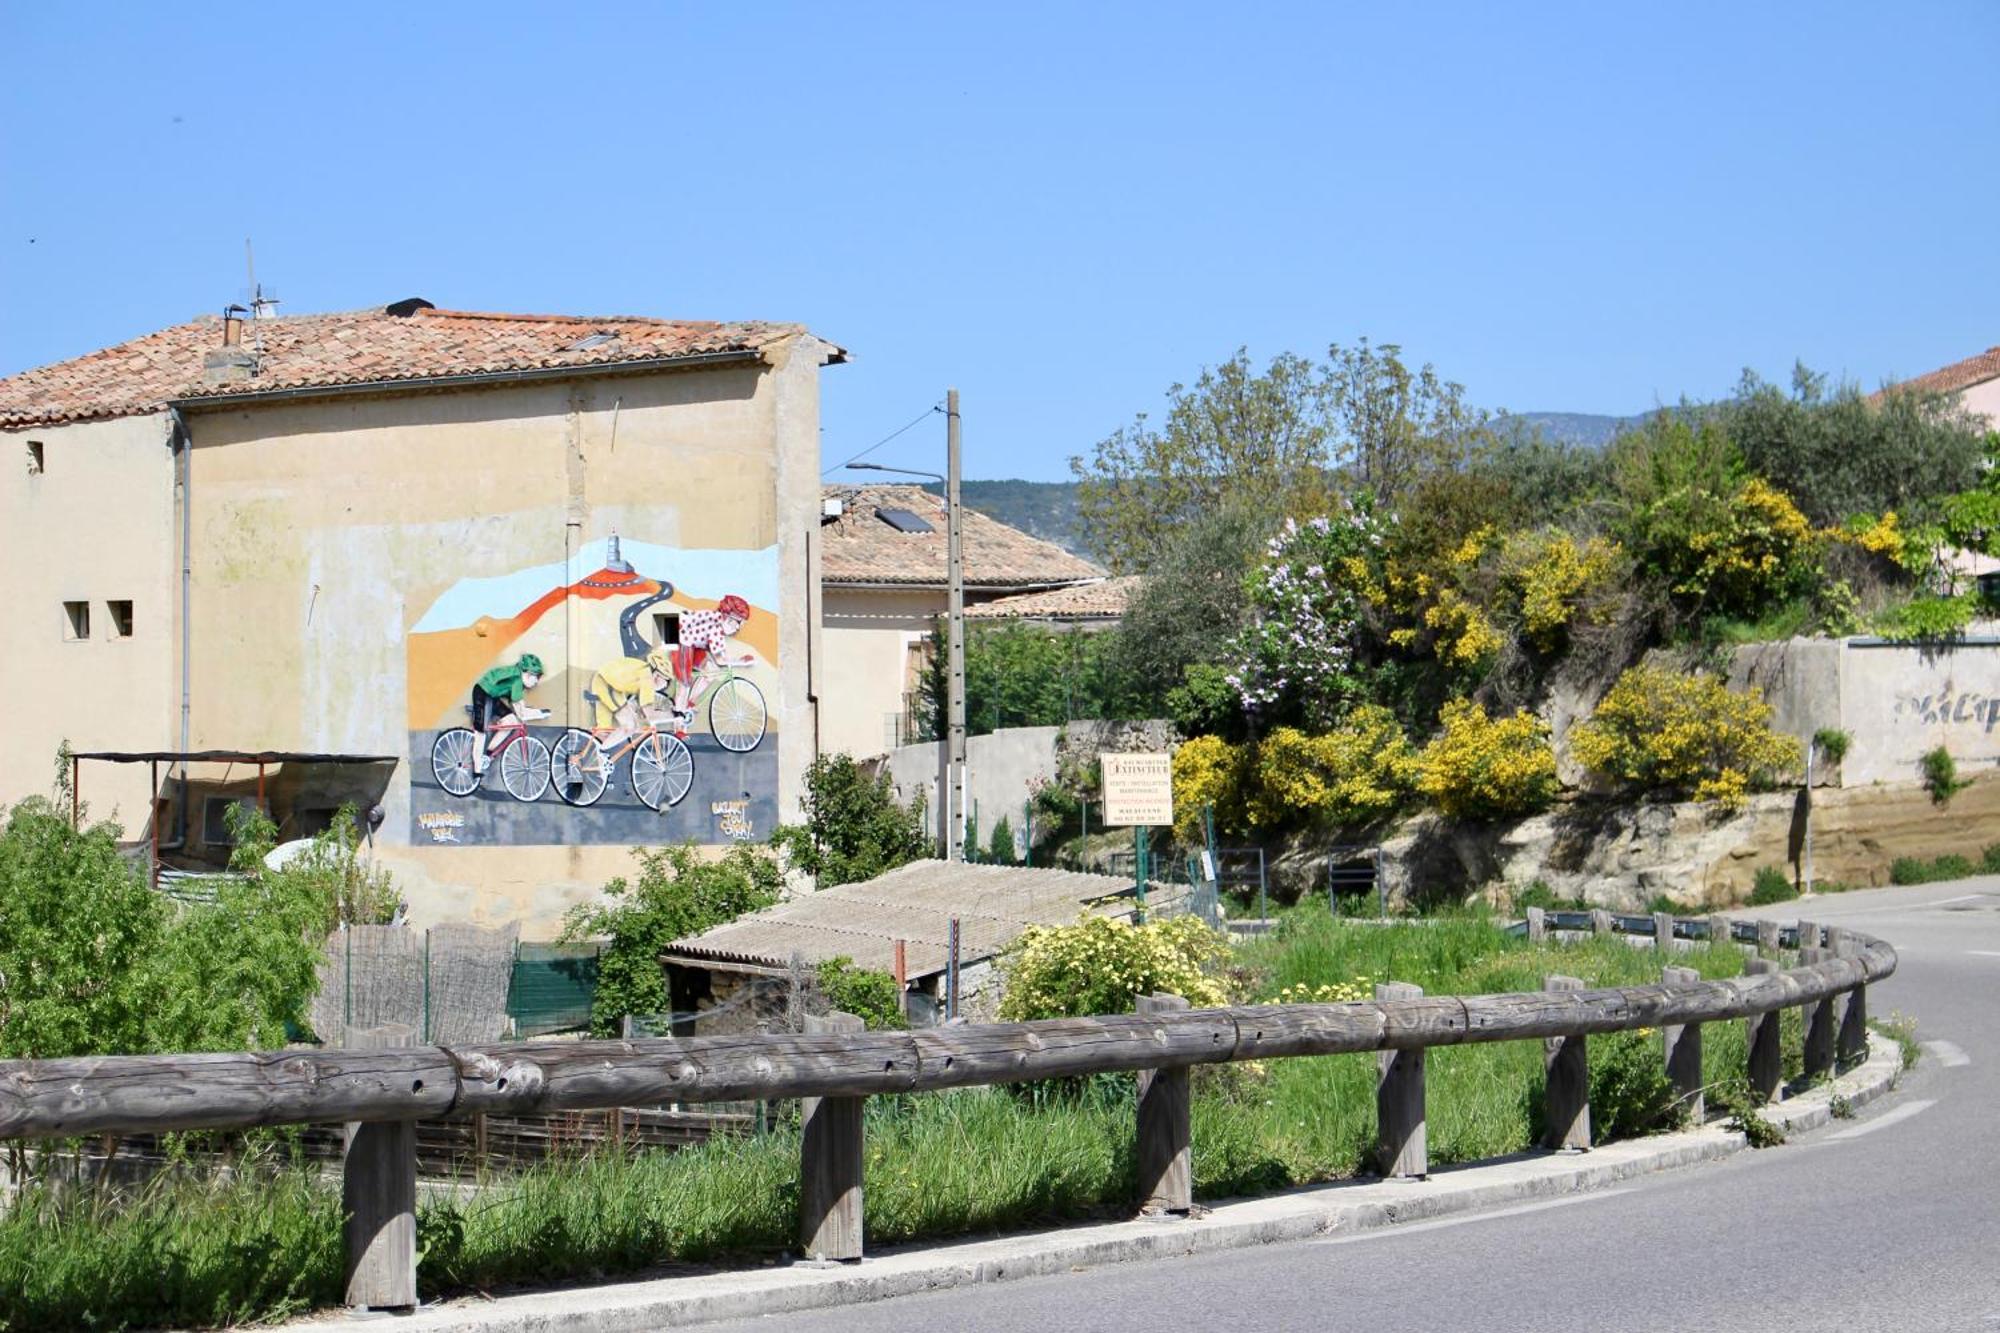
(1299, 657)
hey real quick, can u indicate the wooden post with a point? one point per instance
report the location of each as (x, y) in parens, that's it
(1850, 1009)
(1767, 937)
(1719, 931)
(902, 975)
(378, 1195)
(1538, 926)
(1683, 1050)
(1600, 921)
(830, 1169)
(1808, 935)
(1566, 1082)
(1401, 1149)
(1818, 1018)
(1766, 1059)
(1166, 1171)
(1663, 931)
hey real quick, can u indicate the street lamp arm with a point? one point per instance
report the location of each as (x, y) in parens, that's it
(906, 471)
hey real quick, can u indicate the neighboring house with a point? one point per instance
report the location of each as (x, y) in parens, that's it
(883, 572)
(1083, 606)
(916, 904)
(1975, 382)
(314, 534)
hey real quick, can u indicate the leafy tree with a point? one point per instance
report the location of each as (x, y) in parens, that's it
(1257, 439)
(1000, 843)
(1839, 452)
(79, 938)
(1281, 442)
(854, 829)
(678, 893)
(1184, 614)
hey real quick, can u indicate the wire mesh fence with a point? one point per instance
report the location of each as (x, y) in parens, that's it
(448, 984)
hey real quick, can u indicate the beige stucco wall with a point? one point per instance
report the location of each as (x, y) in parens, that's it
(868, 634)
(1984, 399)
(96, 525)
(322, 528)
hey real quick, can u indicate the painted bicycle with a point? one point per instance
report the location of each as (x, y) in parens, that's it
(521, 759)
(736, 712)
(581, 768)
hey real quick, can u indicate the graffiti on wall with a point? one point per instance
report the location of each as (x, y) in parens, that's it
(611, 706)
(1966, 707)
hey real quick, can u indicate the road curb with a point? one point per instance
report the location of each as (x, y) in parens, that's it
(1330, 1211)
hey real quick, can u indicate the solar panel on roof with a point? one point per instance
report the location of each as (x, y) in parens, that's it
(902, 520)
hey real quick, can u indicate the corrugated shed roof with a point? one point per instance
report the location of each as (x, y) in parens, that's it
(354, 348)
(914, 903)
(861, 547)
(1105, 599)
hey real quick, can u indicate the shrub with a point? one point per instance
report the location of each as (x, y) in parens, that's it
(1923, 619)
(1483, 768)
(1941, 775)
(1208, 770)
(1102, 965)
(869, 995)
(1204, 703)
(1916, 870)
(1990, 859)
(1772, 886)
(854, 829)
(1000, 849)
(1832, 742)
(1297, 659)
(677, 893)
(1559, 582)
(1630, 1094)
(1660, 730)
(1358, 772)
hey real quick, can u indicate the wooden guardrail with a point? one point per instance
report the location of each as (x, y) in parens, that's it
(835, 1066)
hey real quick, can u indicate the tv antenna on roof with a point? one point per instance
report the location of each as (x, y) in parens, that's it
(263, 305)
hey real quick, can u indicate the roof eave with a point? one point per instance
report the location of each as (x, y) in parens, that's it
(422, 383)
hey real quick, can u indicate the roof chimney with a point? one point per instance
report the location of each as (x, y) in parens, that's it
(232, 325)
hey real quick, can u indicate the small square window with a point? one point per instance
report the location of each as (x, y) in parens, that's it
(76, 620)
(37, 462)
(666, 629)
(121, 619)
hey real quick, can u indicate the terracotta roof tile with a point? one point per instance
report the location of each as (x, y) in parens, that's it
(863, 547)
(1105, 599)
(1958, 375)
(351, 348)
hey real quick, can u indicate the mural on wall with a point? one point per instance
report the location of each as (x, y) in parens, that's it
(628, 705)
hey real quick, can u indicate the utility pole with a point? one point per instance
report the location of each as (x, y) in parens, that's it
(955, 605)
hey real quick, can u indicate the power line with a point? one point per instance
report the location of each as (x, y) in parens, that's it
(914, 421)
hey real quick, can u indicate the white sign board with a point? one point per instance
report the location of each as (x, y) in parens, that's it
(1138, 789)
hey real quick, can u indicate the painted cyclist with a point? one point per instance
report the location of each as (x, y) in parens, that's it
(627, 691)
(501, 692)
(705, 635)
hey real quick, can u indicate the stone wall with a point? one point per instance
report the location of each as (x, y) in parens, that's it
(1623, 856)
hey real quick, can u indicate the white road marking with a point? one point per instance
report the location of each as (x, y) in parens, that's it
(1984, 953)
(1883, 1121)
(1949, 1053)
(1962, 898)
(1404, 1229)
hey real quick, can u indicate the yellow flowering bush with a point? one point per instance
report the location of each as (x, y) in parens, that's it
(1207, 770)
(1663, 730)
(1758, 551)
(1465, 637)
(1359, 771)
(1558, 582)
(1482, 768)
(1101, 965)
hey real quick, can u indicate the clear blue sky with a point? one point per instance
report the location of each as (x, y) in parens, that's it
(1061, 209)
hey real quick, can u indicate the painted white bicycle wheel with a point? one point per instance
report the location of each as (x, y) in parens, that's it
(451, 761)
(736, 715)
(662, 770)
(577, 768)
(524, 769)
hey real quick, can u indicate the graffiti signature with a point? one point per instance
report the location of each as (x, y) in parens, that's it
(1946, 707)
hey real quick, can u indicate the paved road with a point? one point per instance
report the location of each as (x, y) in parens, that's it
(1890, 1221)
